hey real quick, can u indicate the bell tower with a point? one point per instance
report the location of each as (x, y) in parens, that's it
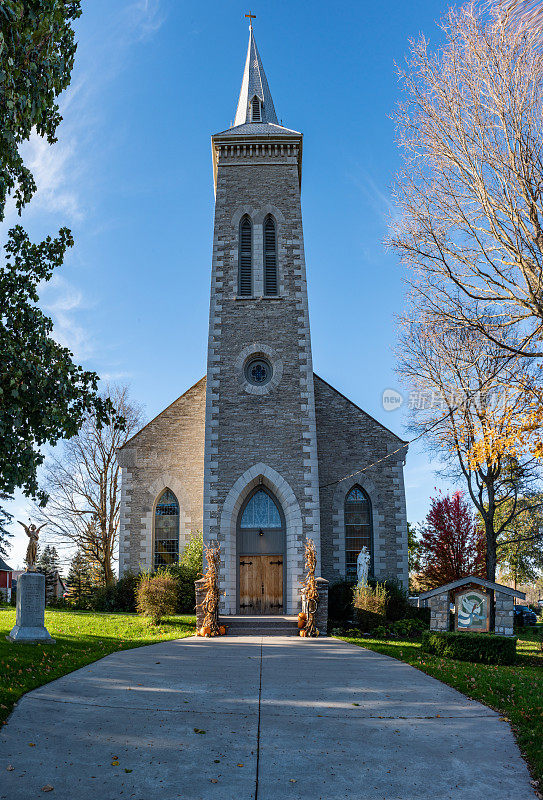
(260, 432)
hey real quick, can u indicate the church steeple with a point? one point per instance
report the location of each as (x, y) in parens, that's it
(255, 102)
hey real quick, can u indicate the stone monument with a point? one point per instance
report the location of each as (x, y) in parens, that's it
(29, 623)
(362, 566)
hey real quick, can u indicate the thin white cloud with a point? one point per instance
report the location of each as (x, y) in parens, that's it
(143, 19)
(62, 301)
(379, 200)
(55, 171)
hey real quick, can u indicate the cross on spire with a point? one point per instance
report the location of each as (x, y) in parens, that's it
(251, 18)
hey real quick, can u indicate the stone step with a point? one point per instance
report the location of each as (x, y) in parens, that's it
(260, 626)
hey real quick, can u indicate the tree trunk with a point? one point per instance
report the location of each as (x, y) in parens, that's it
(490, 559)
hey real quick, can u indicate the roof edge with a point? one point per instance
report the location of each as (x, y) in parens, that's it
(447, 587)
(384, 427)
(128, 441)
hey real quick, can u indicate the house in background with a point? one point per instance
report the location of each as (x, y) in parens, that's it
(6, 579)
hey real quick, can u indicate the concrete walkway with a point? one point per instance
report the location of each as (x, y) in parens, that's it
(241, 718)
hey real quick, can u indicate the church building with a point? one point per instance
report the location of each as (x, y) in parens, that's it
(261, 453)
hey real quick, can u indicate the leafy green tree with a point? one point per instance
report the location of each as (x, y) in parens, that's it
(37, 50)
(44, 396)
(79, 581)
(414, 549)
(193, 553)
(48, 563)
(5, 518)
(520, 546)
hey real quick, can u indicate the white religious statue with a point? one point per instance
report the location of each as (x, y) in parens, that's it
(362, 566)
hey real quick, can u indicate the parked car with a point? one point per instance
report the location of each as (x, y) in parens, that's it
(525, 616)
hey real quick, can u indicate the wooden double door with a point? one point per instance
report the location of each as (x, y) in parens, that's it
(261, 584)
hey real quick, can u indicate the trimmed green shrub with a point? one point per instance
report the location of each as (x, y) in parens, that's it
(402, 628)
(118, 596)
(367, 621)
(186, 593)
(420, 614)
(340, 600)
(397, 605)
(157, 596)
(480, 648)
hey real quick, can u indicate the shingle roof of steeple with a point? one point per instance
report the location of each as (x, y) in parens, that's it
(254, 83)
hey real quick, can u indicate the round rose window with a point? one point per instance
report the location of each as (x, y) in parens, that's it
(258, 371)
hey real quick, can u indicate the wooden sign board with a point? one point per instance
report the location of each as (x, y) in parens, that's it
(472, 611)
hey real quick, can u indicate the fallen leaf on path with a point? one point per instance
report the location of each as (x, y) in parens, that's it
(10, 768)
(127, 770)
(31, 744)
(114, 763)
(47, 788)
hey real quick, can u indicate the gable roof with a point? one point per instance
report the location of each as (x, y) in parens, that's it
(473, 579)
(4, 567)
(147, 424)
(380, 424)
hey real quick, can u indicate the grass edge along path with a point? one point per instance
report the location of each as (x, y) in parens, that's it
(81, 638)
(515, 692)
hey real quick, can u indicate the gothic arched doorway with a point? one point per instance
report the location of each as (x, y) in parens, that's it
(261, 548)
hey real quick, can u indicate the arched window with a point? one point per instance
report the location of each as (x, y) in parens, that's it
(261, 512)
(256, 115)
(358, 529)
(245, 257)
(166, 530)
(270, 256)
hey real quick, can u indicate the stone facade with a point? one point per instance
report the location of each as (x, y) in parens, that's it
(349, 440)
(504, 605)
(295, 435)
(439, 612)
(166, 453)
(276, 427)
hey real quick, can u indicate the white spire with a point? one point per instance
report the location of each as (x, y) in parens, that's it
(254, 84)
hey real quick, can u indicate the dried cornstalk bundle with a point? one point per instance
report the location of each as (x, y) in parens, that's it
(309, 589)
(210, 603)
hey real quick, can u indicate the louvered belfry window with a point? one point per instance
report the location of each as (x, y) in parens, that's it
(255, 110)
(270, 257)
(245, 257)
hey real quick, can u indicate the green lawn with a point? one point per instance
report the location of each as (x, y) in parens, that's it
(81, 637)
(516, 691)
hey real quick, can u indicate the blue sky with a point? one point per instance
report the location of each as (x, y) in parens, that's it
(131, 175)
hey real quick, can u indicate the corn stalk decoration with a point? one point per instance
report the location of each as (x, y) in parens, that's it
(309, 590)
(210, 603)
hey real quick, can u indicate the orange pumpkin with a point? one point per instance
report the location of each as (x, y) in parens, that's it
(302, 633)
(301, 623)
(302, 616)
(222, 630)
(206, 631)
